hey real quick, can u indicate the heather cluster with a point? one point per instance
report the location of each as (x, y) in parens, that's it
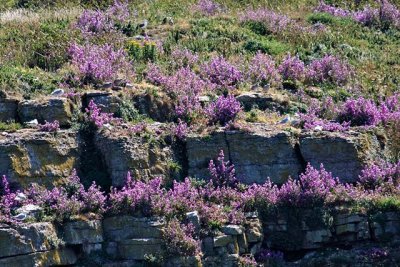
(292, 68)
(50, 126)
(183, 57)
(223, 110)
(328, 69)
(380, 174)
(262, 70)
(222, 74)
(273, 22)
(93, 22)
(353, 112)
(99, 118)
(385, 16)
(222, 172)
(98, 63)
(180, 239)
(207, 7)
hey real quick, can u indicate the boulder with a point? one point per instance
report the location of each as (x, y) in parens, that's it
(81, 232)
(137, 249)
(194, 218)
(49, 109)
(45, 158)
(343, 154)
(232, 229)
(26, 239)
(127, 227)
(156, 106)
(106, 101)
(264, 152)
(122, 153)
(8, 110)
(222, 240)
(273, 102)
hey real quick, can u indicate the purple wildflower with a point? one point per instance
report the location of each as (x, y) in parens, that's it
(223, 110)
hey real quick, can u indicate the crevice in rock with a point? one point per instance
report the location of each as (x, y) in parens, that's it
(91, 164)
(228, 148)
(299, 155)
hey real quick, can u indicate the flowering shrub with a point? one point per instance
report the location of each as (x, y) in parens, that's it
(179, 239)
(247, 261)
(63, 203)
(360, 112)
(118, 12)
(136, 197)
(93, 22)
(273, 22)
(262, 70)
(7, 201)
(207, 7)
(335, 11)
(385, 16)
(97, 63)
(98, 118)
(222, 172)
(223, 110)
(292, 68)
(222, 74)
(180, 130)
(182, 57)
(328, 69)
(380, 174)
(50, 126)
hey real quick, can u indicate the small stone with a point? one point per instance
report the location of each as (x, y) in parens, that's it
(222, 240)
(30, 210)
(107, 85)
(232, 229)
(58, 92)
(194, 218)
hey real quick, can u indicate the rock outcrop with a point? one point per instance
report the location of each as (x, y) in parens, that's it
(29, 156)
(49, 109)
(8, 110)
(123, 152)
(343, 154)
(256, 155)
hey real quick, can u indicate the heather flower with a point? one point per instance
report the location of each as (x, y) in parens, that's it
(98, 63)
(93, 22)
(137, 197)
(360, 112)
(292, 68)
(99, 118)
(7, 201)
(273, 22)
(180, 240)
(380, 173)
(182, 57)
(335, 11)
(155, 75)
(222, 172)
(328, 69)
(223, 110)
(368, 16)
(262, 70)
(247, 261)
(118, 12)
(180, 130)
(50, 126)
(222, 74)
(138, 128)
(207, 7)
(389, 14)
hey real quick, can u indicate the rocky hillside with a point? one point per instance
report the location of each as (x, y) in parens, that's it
(199, 133)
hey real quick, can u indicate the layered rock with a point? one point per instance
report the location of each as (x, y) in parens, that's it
(123, 152)
(49, 109)
(106, 101)
(8, 109)
(256, 155)
(343, 154)
(46, 158)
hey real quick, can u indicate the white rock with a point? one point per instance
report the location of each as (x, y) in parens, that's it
(33, 122)
(318, 128)
(58, 92)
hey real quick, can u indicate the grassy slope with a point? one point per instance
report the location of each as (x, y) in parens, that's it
(33, 45)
